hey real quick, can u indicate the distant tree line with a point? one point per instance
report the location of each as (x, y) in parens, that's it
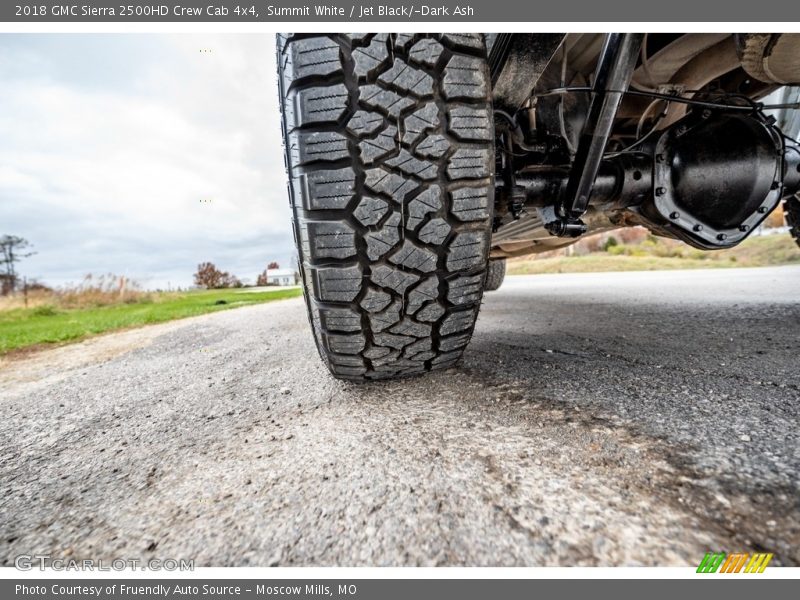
(210, 277)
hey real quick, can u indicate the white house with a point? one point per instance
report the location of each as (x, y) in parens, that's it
(280, 277)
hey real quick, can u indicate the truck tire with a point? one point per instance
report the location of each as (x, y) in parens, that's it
(389, 142)
(791, 212)
(495, 274)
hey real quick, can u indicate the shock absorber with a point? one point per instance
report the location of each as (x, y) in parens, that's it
(612, 76)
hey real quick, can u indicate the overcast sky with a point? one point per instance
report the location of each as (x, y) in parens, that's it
(142, 156)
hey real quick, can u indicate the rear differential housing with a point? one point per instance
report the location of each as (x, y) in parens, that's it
(716, 176)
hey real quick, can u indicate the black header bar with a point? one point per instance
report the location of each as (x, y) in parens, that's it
(366, 11)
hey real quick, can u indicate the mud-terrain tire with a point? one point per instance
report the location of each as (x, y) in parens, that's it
(390, 155)
(791, 212)
(495, 274)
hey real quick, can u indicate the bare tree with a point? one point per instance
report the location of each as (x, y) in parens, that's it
(230, 281)
(12, 249)
(273, 265)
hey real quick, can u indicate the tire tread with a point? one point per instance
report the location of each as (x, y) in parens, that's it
(390, 154)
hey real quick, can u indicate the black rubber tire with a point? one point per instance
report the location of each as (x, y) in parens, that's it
(495, 274)
(390, 154)
(791, 212)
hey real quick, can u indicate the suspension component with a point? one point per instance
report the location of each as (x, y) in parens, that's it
(612, 77)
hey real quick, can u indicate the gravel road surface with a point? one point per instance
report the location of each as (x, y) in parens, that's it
(597, 419)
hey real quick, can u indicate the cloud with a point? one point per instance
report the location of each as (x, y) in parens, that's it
(142, 155)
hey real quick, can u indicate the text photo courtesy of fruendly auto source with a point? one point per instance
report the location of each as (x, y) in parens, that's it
(386, 299)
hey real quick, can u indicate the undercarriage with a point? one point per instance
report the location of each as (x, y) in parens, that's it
(667, 131)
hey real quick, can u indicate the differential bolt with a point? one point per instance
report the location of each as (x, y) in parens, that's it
(660, 191)
(674, 215)
(698, 227)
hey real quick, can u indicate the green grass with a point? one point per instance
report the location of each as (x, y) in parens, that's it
(659, 254)
(23, 328)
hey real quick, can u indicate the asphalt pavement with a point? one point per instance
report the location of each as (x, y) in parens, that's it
(596, 419)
